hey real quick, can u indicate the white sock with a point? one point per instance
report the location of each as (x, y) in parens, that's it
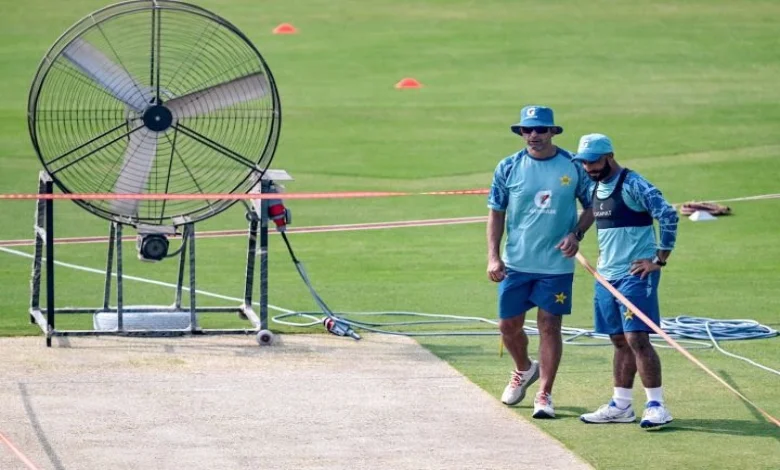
(655, 394)
(622, 397)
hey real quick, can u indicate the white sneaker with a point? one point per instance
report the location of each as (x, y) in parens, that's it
(543, 406)
(515, 390)
(655, 415)
(609, 413)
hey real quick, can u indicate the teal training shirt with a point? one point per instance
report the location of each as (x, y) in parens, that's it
(620, 246)
(539, 198)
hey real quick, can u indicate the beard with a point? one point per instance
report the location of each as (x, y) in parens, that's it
(603, 173)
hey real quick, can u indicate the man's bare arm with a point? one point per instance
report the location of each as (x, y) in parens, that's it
(496, 270)
(585, 221)
(495, 231)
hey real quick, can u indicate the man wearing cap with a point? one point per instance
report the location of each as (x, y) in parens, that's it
(533, 196)
(624, 206)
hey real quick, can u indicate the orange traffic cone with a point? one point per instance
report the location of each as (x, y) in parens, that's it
(408, 83)
(285, 28)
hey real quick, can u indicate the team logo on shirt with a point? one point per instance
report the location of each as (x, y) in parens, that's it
(565, 180)
(543, 200)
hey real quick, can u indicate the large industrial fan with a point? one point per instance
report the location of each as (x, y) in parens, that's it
(151, 97)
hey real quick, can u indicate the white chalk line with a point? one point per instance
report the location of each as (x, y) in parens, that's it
(140, 279)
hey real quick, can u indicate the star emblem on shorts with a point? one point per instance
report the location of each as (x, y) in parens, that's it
(629, 315)
(560, 298)
(565, 180)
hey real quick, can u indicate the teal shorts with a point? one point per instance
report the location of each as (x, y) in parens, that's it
(520, 291)
(612, 317)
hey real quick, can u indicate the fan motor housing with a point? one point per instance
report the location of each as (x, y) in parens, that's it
(152, 246)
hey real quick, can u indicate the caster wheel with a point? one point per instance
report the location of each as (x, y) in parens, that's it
(265, 338)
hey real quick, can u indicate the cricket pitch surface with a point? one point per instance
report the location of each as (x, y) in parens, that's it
(222, 402)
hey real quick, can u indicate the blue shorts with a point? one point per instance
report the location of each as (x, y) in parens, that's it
(611, 317)
(520, 291)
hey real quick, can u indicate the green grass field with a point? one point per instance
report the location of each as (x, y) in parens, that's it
(687, 90)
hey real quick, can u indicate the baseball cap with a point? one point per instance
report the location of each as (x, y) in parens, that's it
(592, 147)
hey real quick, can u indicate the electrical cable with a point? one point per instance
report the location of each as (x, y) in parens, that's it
(574, 336)
(720, 330)
(694, 332)
(332, 322)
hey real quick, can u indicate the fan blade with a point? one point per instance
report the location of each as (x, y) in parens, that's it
(137, 164)
(112, 77)
(220, 96)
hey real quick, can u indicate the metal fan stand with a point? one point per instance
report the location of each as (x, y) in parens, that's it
(150, 320)
(153, 97)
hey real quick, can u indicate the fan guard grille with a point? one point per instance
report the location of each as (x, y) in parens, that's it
(154, 97)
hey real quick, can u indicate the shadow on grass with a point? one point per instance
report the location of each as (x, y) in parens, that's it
(734, 427)
(570, 411)
(758, 427)
(449, 352)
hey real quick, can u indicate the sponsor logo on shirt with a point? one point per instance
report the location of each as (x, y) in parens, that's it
(543, 200)
(600, 213)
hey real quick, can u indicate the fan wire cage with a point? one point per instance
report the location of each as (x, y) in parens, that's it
(154, 97)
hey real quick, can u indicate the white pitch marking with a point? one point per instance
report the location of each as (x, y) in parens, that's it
(141, 279)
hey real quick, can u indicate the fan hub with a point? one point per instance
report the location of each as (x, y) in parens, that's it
(158, 118)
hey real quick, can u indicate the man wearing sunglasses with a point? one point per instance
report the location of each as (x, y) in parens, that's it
(533, 196)
(624, 205)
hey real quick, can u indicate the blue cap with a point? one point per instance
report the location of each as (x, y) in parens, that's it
(536, 116)
(592, 147)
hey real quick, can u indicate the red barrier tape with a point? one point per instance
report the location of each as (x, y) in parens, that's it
(647, 321)
(18, 453)
(231, 197)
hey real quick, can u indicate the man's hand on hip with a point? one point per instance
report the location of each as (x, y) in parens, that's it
(643, 267)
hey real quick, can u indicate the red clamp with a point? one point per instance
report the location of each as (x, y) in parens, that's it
(279, 214)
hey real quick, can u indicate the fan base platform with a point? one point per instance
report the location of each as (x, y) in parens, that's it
(148, 319)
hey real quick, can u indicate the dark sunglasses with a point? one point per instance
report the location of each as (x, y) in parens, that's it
(538, 129)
